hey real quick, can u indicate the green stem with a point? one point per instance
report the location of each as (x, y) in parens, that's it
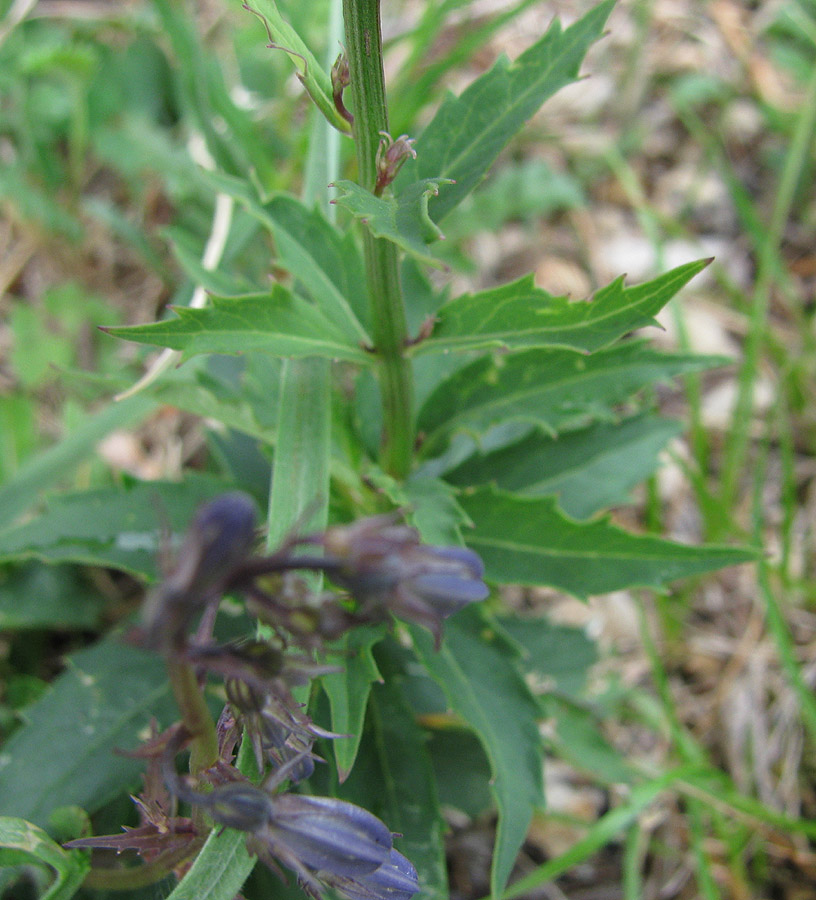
(194, 714)
(389, 327)
(128, 878)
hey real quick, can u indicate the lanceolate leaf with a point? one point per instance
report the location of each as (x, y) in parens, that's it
(589, 469)
(277, 321)
(324, 261)
(103, 702)
(312, 75)
(348, 693)
(529, 541)
(477, 669)
(519, 315)
(120, 527)
(468, 132)
(219, 870)
(30, 844)
(552, 389)
(402, 219)
(393, 778)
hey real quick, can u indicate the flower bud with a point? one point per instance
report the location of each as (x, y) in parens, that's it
(386, 567)
(396, 879)
(219, 538)
(391, 155)
(327, 835)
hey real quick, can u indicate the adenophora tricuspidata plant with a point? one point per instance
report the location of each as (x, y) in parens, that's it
(386, 571)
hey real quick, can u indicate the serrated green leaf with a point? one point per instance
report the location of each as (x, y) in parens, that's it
(103, 702)
(419, 77)
(112, 526)
(468, 132)
(348, 693)
(402, 219)
(529, 541)
(312, 75)
(520, 315)
(278, 322)
(34, 845)
(588, 469)
(476, 668)
(393, 778)
(326, 262)
(550, 389)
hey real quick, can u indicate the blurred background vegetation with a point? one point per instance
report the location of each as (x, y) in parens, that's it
(692, 136)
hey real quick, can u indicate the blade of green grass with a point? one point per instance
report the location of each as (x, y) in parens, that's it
(797, 158)
(606, 829)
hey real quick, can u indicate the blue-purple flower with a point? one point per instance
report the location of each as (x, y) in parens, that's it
(220, 537)
(395, 879)
(385, 566)
(325, 841)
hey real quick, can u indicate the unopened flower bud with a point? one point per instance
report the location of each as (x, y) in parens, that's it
(340, 76)
(329, 836)
(386, 567)
(219, 538)
(391, 155)
(396, 879)
(340, 80)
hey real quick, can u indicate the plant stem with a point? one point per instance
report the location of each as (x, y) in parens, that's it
(389, 328)
(131, 877)
(194, 714)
